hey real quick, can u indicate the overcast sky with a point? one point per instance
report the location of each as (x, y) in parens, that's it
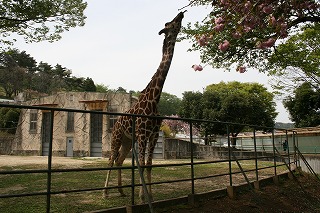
(120, 46)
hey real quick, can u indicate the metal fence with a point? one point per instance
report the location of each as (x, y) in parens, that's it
(235, 173)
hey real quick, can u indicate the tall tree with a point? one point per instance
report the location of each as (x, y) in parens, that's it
(23, 59)
(169, 104)
(42, 80)
(234, 102)
(9, 119)
(243, 32)
(297, 61)
(304, 106)
(11, 75)
(191, 106)
(27, 62)
(102, 88)
(88, 85)
(37, 20)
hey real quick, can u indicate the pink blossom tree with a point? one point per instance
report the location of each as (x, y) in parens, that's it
(244, 33)
(179, 126)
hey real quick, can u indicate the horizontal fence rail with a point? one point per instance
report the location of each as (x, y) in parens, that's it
(194, 168)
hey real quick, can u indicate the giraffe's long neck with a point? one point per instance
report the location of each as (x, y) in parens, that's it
(154, 88)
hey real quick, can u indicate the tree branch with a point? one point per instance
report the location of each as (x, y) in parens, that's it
(304, 19)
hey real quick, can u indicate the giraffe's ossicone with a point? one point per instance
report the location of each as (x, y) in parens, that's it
(146, 128)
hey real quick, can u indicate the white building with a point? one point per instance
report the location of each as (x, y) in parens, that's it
(74, 133)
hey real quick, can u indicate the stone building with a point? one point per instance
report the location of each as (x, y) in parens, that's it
(74, 133)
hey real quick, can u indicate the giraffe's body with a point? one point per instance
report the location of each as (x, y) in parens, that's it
(146, 129)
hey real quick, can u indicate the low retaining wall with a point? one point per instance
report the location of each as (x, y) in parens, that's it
(314, 162)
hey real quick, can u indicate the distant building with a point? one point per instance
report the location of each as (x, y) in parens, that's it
(74, 133)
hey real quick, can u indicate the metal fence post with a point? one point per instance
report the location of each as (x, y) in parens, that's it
(140, 169)
(133, 158)
(288, 151)
(274, 154)
(297, 147)
(294, 148)
(229, 157)
(50, 162)
(255, 153)
(191, 155)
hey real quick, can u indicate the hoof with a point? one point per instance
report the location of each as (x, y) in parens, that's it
(144, 198)
(105, 195)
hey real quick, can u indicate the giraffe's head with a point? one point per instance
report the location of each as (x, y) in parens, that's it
(172, 28)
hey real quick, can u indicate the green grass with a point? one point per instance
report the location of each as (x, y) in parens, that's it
(93, 200)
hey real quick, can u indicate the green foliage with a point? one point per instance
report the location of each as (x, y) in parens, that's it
(191, 105)
(235, 102)
(88, 85)
(102, 88)
(250, 28)
(304, 106)
(135, 93)
(121, 89)
(39, 20)
(20, 72)
(23, 59)
(9, 118)
(297, 61)
(11, 75)
(166, 130)
(169, 104)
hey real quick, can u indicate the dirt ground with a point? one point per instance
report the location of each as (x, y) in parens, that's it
(288, 196)
(10, 160)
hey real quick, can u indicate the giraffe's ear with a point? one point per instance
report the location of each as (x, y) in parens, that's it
(164, 30)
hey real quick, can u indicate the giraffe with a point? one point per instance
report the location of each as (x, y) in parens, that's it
(146, 129)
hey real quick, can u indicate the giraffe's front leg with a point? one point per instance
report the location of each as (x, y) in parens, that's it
(141, 138)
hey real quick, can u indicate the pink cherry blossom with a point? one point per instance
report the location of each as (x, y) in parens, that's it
(247, 28)
(224, 46)
(267, 9)
(259, 45)
(218, 27)
(197, 67)
(236, 35)
(218, 20)
(283, 26)
(273, 21)
(241, 69)
(266, 44)
(247, 6)
(283, 30)
(202, 41)
(224, 1)
(270, 42)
